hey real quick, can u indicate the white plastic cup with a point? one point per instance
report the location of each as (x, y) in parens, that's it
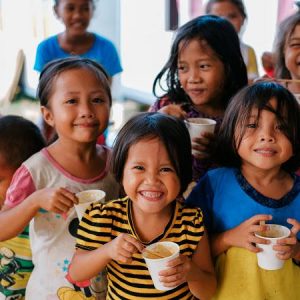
(86, 198)
(197, 126)
(267, 258)
(155, 265)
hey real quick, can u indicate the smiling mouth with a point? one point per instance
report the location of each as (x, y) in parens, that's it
(151, 196)
(87, 125)
(265, 152)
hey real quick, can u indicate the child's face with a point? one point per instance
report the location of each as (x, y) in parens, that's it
(149, 179)
(6, 174)
(79, 106)
(201, 74)
(75, 14)
(264, 145)
(229, 11)
(292, 53)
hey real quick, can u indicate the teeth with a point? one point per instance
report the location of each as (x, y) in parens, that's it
(265, 151)
(151, 194)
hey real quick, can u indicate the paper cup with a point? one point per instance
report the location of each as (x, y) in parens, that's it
(197, 126)
(86, 198)
(155, 265)
(267, 258)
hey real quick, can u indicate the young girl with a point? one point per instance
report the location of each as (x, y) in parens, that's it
(234, 11)
(152, 159)
(204, 70)
(259, 144)
(76, 40)
(287, 49)
(75, 99)
(19, 139)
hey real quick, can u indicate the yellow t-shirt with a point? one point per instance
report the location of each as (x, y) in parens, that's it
(239, 277)
(104, 222)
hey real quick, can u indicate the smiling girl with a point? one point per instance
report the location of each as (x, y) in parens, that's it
(204, 70)
(259, 144)
(152, 159)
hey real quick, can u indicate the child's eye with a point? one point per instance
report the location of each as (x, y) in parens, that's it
(97, 100)
(166, 169)
(251, 125)
(69, 8)
(182, 68)
(280, 127)
(295, 45)
(204, 66)
(140, 168)
(71, 101)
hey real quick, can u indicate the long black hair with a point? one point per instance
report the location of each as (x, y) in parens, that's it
(222, 38)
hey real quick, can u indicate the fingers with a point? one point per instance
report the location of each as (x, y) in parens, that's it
(132, 244)
(174, 110)
(296, 225)
(257, 218)
(124, 247)
(71, 196)
(176, 272)
(63, 200)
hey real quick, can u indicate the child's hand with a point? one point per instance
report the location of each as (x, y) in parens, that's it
(57, 200)
(243, 235)
(175, 110)
(177, 272)
(203, 145)
(123, 246)
(289, 247)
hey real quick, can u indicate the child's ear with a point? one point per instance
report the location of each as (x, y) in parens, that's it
(47, 115)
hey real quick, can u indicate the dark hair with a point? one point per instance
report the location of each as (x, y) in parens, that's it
(56, 2)
(58, 66)
(238, 3)
(222, 39)
(19, 139)
(238, 112)
(284, 32)
(171, 131)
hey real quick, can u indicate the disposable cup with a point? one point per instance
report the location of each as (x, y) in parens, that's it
(267, 258)
(197, 126)
(86, 198)
(155, 265)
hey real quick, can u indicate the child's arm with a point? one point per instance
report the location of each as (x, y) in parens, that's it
(173, 110)
(87, 264)
(289, 247)
(15, 219)
(240, 236)
(198, 271)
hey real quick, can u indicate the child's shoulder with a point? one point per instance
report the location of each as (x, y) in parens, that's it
(115, 204)
(50, 40)
(187, 215)
(36, 160)
(221, 172)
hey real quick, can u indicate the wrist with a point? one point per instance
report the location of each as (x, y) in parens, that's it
(226, 239)
(296, 255)
(34, 202)
(106, 252)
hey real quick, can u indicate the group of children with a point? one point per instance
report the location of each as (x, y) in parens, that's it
(254, 152)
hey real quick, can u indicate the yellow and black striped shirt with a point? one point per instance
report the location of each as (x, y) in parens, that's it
(104, 222)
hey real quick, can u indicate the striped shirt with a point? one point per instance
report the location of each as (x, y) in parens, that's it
(104, 222)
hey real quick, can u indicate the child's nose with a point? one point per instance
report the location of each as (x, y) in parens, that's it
(267, 136)
(86, 111)
(151, 177)
(194, 77)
